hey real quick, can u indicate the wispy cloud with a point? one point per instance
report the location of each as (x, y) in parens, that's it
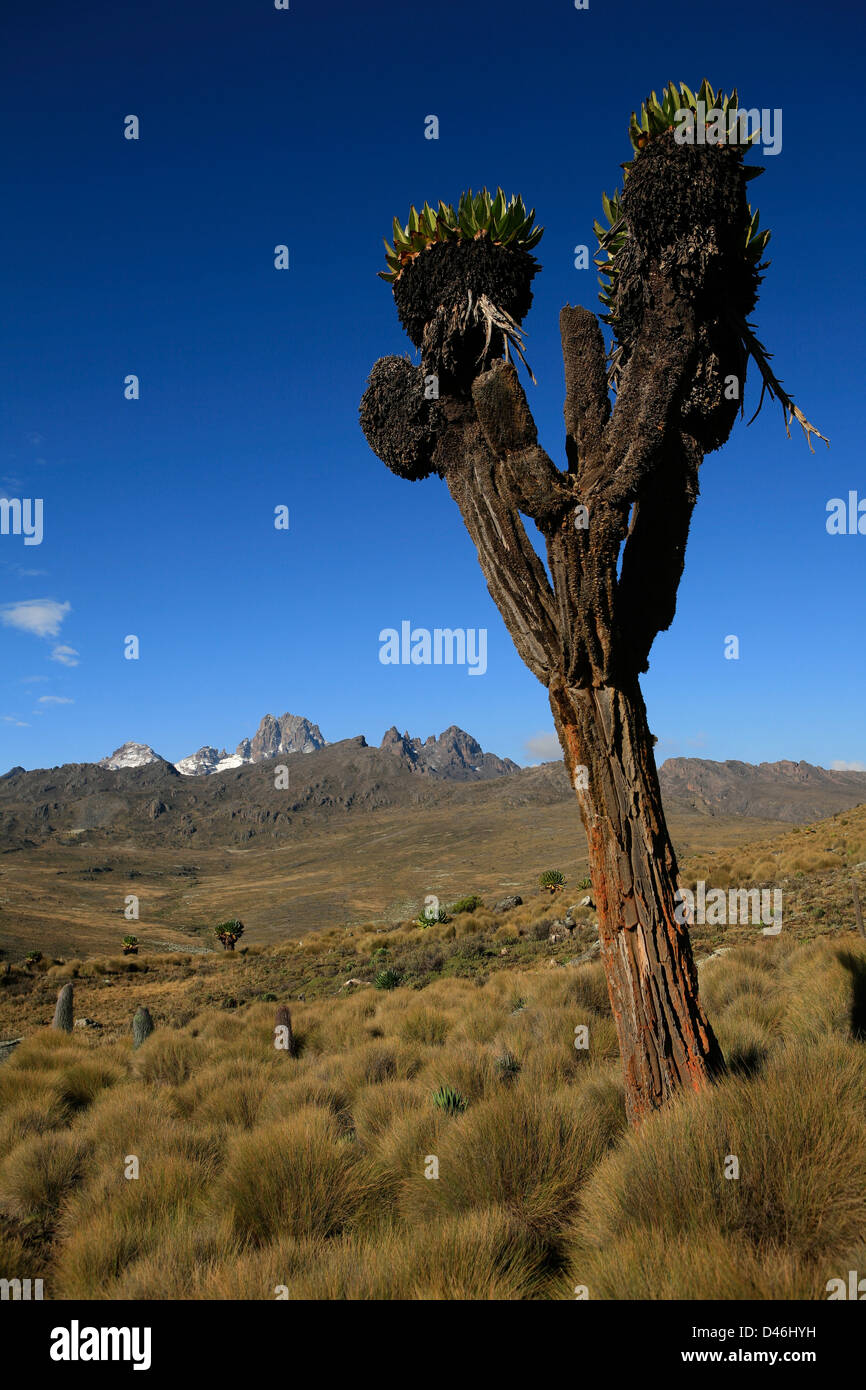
(41, 616)
(67, 656)
(12, 719)
(543, 746)
(32, 680)
(55, 700)
(840, 766)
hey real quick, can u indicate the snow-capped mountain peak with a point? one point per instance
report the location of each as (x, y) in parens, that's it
(288, 733)
(130, 755)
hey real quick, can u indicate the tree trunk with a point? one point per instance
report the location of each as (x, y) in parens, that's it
(664, 1036)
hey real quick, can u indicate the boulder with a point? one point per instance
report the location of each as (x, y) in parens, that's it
(506, 904)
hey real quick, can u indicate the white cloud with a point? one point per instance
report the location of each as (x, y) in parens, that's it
(840, 766)
(545, 747)
(55, 700)
(67, 656)
(10, 719)
(41, 616)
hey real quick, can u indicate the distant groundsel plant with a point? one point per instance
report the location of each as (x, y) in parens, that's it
(552, 880)
(682, 260)
(229, 933)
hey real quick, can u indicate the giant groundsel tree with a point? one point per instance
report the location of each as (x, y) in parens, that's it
(681, 257)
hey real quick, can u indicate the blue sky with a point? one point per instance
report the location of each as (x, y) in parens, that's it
(306, 128)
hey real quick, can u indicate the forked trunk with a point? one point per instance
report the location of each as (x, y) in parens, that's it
(665, 1038)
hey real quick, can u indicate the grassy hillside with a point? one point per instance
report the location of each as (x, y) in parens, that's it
(376, 866)
(314, 1173)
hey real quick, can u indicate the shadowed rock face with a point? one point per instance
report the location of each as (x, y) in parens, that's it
(288, 733)
(454, 754)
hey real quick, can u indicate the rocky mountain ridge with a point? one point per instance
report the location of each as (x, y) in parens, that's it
(454, 754)
(788, 791)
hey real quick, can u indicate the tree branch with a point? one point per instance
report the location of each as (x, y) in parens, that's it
(537, 487)
(655, 550)
(587, 404)
(516, 578)
(634, 437)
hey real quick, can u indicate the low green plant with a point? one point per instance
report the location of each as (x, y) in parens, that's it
(468, 904)
(387, 979)
(427, 916)
(449, 1100)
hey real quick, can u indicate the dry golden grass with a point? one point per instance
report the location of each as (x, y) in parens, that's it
(798, 1133)
(317, 1175)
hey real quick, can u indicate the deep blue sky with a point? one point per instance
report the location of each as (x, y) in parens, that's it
(155, 257)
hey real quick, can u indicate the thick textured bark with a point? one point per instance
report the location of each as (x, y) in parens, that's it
(586, 645)
(665, 1039)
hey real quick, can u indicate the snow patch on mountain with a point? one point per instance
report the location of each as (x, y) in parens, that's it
(130, 755)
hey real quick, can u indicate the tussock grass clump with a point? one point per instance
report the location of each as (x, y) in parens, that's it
(297, 1177)
(285, 1099)
(25, 1086)
(35, 1113)
(113, 1221)
(38, 1172)
(826, 984)
(77, 1086)
(16, 1257)
(526, 1154)
(469, 1067)
(798, 1132)
(60, 1073)
(375, 1108)
(425, 1026)
(701, 1264)
(169, 1057)
(484, 1254)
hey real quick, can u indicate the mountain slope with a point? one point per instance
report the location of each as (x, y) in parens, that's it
(786, 791)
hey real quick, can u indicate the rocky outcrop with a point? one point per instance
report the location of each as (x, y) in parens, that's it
(288, 733)
(276, 736)
(454, 755)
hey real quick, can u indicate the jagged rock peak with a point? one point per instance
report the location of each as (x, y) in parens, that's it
(454, 754)
(286, 733)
